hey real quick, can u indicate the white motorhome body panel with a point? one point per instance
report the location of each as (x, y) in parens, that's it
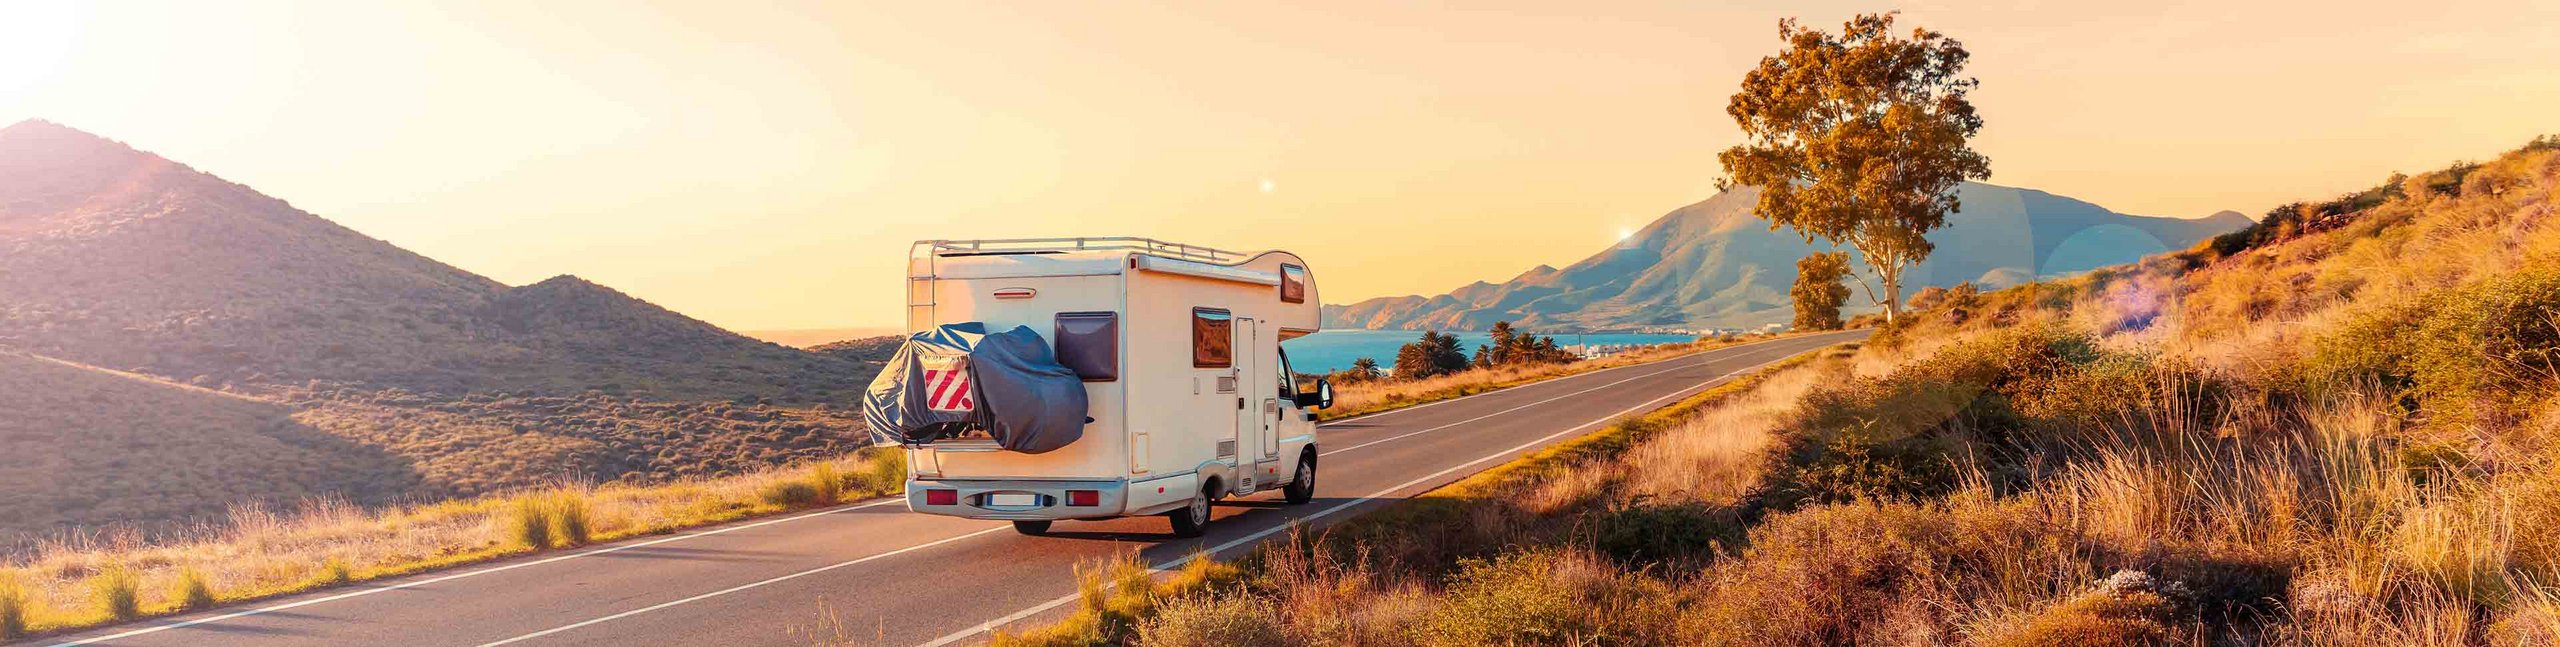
(1098, 450)
(1167, 424)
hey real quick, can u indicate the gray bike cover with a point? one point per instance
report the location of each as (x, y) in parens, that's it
(956, 377)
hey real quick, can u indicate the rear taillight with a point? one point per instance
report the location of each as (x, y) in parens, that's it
(942, 497)
(1084, 498)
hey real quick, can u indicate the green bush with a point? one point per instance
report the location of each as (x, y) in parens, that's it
(1514, 598)
(2489, 351)
(1643, 532)
(2370, 346)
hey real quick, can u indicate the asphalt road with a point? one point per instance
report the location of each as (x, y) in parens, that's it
(873, 573)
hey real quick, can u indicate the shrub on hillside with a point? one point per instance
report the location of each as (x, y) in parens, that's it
(1865, 573)
(1236, 620)
(2125, 611)
(2489, 353)
(2478, 355)
(1646, 532)
(1551, 598)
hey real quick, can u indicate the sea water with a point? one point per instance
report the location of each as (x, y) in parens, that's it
(1333, 350)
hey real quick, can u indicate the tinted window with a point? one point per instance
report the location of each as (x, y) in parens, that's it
(1089, 343)
(1212, 338)
(1293, 284)
(1288, 381)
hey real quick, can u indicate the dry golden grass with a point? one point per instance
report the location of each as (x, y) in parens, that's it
(259, 552)
(2215, 447)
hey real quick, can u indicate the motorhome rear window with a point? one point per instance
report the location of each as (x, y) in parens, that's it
(1212, 338)
(1089, 344)
(1293, 284)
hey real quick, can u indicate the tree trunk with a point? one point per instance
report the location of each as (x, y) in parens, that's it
(1892, 276)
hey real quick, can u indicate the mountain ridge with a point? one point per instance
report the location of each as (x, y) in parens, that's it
(1712, 264)
(141, 289)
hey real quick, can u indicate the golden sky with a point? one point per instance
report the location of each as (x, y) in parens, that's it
(765, 166)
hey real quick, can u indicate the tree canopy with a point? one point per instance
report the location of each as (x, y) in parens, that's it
(1818, 292)
(1858, 138)
(1434, 355)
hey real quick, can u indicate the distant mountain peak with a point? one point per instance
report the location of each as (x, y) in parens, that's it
(1714, 264)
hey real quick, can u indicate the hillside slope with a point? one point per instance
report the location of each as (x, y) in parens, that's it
(1713, 264)
(421, 379)
(2340, 426)
(120, 258)
(88, 446)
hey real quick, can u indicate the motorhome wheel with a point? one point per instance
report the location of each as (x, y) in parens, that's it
(1031, 527)
(1302, 487)
(1191, 520)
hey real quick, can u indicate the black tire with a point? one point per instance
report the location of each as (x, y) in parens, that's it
(1302, 485)
(1192, 520)
(1033, 528)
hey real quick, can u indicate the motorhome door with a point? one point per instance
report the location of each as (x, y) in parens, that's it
(1250, 389)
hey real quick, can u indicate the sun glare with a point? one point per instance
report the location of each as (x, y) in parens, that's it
(1268, 185)
(35, 40)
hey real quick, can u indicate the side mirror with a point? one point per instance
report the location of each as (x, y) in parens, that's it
(1322, 398)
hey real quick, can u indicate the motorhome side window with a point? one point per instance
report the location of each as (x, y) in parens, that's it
(1212, 338)
(1288, 381)
(1089, 344)
(1293, 284)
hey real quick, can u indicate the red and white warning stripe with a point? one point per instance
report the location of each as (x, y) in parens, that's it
(948, 388)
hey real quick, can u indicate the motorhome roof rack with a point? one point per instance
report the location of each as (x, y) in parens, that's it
(1058, 245)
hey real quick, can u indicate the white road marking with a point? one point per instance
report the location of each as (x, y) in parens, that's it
(758, 524)
(1504, 411)
(741, 587)
(465, 574)
(991, 625)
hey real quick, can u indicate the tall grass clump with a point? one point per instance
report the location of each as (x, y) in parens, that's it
(335, 571)
(191, 591)
(14, 602)
(558, 517)
(885, 471)
(572, 522)
(115, 592)
(529, 519)
(827, 481)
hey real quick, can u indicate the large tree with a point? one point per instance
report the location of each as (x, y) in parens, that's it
(1858, 138)
(1818, 292)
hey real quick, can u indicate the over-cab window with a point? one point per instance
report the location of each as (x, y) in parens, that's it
(1212, 338)
(1089, 344)
(1293, 284)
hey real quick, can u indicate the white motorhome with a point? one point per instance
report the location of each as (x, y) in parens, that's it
(1190, 397)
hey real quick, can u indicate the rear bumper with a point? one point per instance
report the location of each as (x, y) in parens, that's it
(981, 499)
